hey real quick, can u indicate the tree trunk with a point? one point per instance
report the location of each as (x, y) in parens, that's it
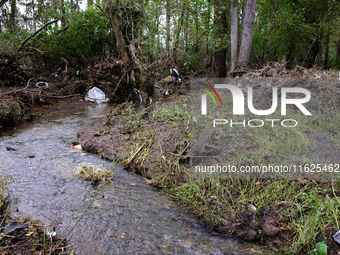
(337, 56)
(327, 49)
(121, 46)
(247, 32)
(62, 12)
(180, 23)
(168, 26)
(12, 16)
(271, 29)
(221, 51)
(197, 32)
(291, 55)
(208, 29)
(234, 32)
(179, 28)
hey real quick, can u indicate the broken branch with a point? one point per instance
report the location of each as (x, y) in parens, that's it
(37, 32)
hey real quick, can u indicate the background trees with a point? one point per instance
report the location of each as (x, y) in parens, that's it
(216, 35)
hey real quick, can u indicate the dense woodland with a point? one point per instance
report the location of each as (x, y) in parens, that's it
(214, 35)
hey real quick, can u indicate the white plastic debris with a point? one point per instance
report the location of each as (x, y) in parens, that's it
(51, 234)
(136, 91)
(96, 95)
(252, 207)
(41, 82)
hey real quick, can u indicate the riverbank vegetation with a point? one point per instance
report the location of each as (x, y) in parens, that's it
(289, 215)
(53, 52)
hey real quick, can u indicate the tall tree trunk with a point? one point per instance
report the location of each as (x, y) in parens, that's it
(180, 22)
(234, 32)
(221, 51)
(121, 46)
(179, 27)
(291, 55)
(186, 33)
(197, 35)
(271, 29)
(327, 49)
(77, 6)
(54, 4)
(208, 29)
(337, 56)
(62, 12)
(158, 35)
(168, 26)
(247, 32)
(13, 16)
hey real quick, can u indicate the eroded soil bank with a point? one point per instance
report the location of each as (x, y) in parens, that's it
(154, 141)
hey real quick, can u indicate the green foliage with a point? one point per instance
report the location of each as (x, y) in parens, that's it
(320, 248)
(88, 34)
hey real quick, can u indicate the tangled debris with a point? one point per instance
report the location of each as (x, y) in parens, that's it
(88, 173)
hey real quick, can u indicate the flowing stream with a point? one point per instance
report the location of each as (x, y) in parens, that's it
(129, 218)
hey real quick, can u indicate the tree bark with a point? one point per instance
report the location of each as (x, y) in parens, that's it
(62, 12)
(12, 16)
(247, 32)
(121, 46)
(180, 23)
(168, 25)
(221, 51)
(337, 56)
(291, 55)
(54, 4)
(327, 49)
(208, 29)
(271, 29)
(234, 32)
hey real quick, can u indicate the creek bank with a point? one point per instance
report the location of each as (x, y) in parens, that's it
(154, 142)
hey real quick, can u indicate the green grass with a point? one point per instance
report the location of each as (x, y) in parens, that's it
(308, 206)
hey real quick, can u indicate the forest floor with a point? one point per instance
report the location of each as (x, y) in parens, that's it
(288, 215)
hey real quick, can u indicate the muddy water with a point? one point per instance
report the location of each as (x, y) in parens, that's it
(131, 218)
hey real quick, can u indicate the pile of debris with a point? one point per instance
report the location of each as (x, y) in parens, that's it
(279, 70)
(11, 73)
(118, 79)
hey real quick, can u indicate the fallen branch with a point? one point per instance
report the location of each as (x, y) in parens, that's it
(73, 95)
(37, 32)
(66, 63)
(120, 81)
(32, 48)
(18, 90)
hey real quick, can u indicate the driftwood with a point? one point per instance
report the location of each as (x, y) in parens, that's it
(37, 32)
